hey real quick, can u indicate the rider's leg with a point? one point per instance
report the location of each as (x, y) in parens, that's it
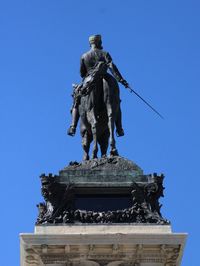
(118, 123)
(75, 117)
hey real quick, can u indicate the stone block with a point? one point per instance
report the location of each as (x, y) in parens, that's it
(109, 245)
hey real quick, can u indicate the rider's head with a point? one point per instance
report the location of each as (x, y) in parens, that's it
(95, 41)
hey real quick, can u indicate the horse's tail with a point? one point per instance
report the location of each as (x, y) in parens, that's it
(111, 90)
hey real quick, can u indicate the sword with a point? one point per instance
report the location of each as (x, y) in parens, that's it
(131, 90)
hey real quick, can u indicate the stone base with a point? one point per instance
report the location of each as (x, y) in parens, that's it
(106, 190)
(102, 245)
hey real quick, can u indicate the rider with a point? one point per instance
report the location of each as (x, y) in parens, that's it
(89, 61)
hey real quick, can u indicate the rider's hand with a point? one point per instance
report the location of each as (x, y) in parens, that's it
(124, 82)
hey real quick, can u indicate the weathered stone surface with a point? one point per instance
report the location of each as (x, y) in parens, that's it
(104, 245)
(108, 163)
(103, 172)
(82, 229)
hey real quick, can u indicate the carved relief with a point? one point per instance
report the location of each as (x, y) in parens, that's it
(59, 205)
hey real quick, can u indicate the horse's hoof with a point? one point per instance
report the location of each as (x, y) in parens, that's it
(114, 152)
(94, 156)
(120, 132)
(104, 156)
(86, 157)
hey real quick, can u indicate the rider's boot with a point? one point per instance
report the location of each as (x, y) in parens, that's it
(75, 117)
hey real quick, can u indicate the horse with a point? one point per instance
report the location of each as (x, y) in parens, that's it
(98, 110)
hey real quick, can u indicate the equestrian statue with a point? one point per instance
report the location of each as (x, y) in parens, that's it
(96, 101)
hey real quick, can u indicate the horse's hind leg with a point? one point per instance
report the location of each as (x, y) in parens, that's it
(86, 140)
(95, 145)
(118, 123)
(103, 142)
(111, 126)
(92, 120)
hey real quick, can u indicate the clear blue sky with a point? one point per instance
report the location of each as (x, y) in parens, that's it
(156, 46)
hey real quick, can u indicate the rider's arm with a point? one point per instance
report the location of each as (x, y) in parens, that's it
(114, 70)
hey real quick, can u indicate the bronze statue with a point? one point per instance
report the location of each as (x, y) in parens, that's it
(97, 101)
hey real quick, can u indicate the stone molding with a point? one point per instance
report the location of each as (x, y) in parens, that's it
(102, 248)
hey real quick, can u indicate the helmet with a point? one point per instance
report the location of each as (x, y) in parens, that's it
(95, 38)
